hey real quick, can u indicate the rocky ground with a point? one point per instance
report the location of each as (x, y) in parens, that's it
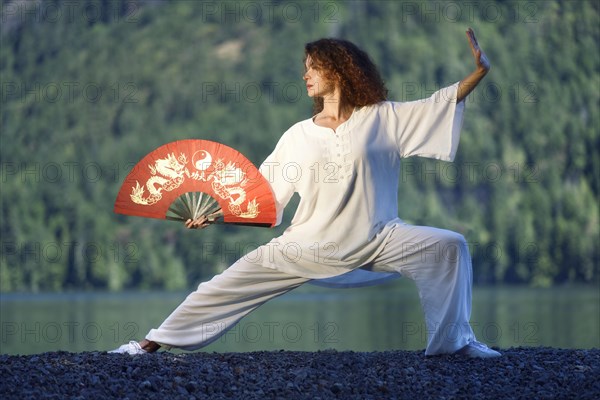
(524, 373)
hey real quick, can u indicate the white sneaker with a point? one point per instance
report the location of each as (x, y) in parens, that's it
(132, 348)
(478, 350)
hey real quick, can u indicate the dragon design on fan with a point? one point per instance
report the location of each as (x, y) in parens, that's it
(169, 173)
(227, 184)
(171, 176)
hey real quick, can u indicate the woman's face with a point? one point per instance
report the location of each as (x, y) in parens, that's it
(317, 85)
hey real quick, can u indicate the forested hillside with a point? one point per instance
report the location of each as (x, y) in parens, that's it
(90, 87)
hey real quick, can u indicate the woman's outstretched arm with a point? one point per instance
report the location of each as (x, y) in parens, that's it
(467, 85)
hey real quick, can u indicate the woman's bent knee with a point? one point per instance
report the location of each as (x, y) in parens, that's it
(453, 246)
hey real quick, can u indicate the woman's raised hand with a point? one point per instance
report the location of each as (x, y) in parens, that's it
(467, 85)
(480, 58)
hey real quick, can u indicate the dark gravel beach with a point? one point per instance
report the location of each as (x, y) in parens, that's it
(524, 373)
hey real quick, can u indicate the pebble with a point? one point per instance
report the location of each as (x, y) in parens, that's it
(524, 372)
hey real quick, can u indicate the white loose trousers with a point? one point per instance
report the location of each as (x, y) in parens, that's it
(437, 260)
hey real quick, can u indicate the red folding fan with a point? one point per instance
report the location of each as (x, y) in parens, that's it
(190, 178)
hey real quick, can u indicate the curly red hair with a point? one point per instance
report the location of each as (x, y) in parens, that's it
(351, 68)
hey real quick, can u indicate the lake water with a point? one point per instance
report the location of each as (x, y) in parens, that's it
(386, 317)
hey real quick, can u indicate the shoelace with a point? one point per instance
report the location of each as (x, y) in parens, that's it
(479, 345)
(136, 345)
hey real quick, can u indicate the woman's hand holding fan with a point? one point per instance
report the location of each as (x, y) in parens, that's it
(199, 223)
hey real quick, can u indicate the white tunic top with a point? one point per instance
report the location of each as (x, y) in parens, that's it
(348, 182)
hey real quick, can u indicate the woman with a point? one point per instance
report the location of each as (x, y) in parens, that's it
(344, 162)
